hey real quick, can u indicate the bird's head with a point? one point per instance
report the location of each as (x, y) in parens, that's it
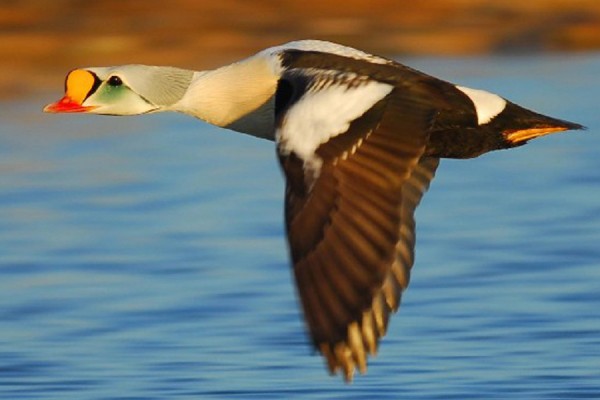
(239, 96)
(123, 90)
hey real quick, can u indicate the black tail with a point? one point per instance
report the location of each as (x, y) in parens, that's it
(518, 125)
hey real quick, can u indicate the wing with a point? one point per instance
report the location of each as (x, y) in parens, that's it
(350, 200)
(412, 191)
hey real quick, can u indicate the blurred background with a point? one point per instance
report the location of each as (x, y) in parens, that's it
(145, 257)
(40, 40)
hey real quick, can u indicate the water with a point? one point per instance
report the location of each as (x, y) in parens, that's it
(144, 258)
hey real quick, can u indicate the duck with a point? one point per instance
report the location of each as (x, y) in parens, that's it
(358, 138)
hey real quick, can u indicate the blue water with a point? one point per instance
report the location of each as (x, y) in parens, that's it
(144, 258)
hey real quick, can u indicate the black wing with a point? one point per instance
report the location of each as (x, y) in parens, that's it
(351, 229)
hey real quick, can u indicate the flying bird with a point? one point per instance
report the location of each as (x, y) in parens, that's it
(358, 137)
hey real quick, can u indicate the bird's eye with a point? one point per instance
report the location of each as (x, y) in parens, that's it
(115, 81)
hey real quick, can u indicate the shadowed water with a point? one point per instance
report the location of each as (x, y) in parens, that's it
(144, 258)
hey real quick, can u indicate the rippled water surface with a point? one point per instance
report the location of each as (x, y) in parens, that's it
(144, 258)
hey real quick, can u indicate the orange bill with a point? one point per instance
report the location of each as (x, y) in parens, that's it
(78, 86)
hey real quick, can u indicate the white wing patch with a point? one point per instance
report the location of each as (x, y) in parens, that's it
(323, 114)
(487, 105)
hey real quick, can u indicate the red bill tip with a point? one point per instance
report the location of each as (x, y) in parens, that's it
(67, 105)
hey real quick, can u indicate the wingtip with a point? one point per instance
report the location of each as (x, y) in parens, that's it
(351, 355)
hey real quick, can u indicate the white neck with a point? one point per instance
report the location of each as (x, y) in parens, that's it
(239, 96)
